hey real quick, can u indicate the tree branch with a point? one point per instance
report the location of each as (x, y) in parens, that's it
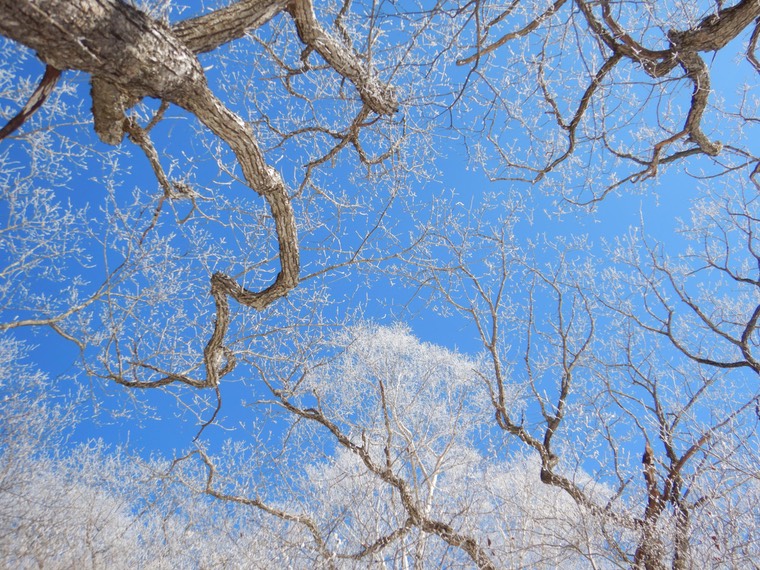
(377, 96)
(206, 33)
(36, 100)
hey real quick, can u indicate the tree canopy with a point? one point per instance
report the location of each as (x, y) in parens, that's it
(360, 284)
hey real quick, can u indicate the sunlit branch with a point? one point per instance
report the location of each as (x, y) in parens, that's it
(36, 100)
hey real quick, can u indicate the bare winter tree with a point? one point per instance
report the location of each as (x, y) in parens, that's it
(130, 55)
(624, 88)
(628, 59)
(603, 409)
(414, 480)
(417, 490)
(92, 506)
(639, 377)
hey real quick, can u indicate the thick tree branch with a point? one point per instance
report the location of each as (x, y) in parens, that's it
(132, 56)
(207, 32)
(377, 96)
(715, 31)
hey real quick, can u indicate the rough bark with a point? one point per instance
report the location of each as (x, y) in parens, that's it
(206, 33)
(108, 39)
(131, 56)
(378, 97)
(649, 551)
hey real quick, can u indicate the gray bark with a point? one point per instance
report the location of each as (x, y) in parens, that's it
(131, 56)
(206, 33)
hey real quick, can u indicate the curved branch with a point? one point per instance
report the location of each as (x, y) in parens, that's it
(696, 69)
(304, 520)
(572, 128)
(379, 97)
(132, 56)
(752, 47)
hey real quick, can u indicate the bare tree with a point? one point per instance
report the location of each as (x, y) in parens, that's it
(130, 56)
(633, 377)
(627, 51)
(417, 490)
(624, 88)
(414, 480)
(608, 419)
(93, 506)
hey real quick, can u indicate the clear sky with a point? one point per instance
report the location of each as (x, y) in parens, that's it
(659, 205)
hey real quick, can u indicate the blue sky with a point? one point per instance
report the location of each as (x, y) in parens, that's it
(660, 205)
